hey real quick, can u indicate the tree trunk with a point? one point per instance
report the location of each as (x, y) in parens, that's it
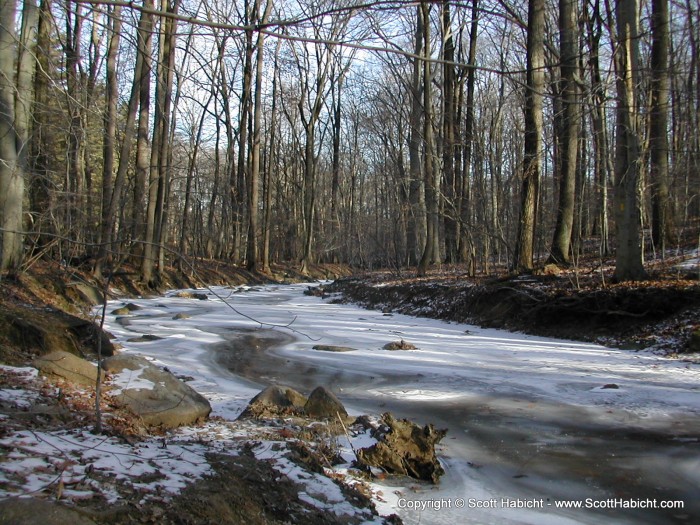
(142, 72)
(26, 66)
(450, 195)
(114, 24)
(466, 245)
(524, 252)
(416, 219)
(568, 25)
(430, 176)
(254, 186)
(159, 158)
(11, 176)
(39, 178)
(628, 263)
(273, 157)
(662, 217)
(603, 165)
(74, 91)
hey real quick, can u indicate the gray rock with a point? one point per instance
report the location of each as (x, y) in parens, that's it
(332, 348)
(156, 396)
(181, 315)
(191, 295)
(274, 401)
(33, 511)
(323, 403)
(145, 338)
(69, 367)
(399, 345)
(132, 307)
(89, 293)
(121, 311)
(126, 309)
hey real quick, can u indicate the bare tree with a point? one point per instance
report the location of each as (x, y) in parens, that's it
(524, 253)
(416, 221)
(662, 216)
(627, 147)
(431, 251)
(254, 183)
(569, 139)
(11, 179)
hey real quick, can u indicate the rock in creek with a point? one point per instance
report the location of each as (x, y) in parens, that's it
(274, 401)
(155, 395)
(404, 448)
(324, 404)
(333, 348)
(282, 401)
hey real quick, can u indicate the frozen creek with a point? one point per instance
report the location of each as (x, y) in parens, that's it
(531, 421)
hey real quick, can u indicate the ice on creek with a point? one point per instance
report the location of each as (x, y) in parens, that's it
(528, 417)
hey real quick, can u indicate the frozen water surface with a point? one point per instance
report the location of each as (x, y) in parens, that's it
(534, 424)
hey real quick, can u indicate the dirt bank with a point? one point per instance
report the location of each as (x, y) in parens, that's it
(659, 313)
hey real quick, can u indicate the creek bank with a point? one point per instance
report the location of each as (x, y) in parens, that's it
(45, 318)
(656, 314)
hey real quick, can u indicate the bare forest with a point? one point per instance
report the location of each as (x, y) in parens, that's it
(384, 134)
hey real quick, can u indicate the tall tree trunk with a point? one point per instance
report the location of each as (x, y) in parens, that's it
(466, 244)
(451, 195)
(25, 100)
(142, 75)
(628, 159)
(430, 175)
(169, 126)
(74, 92)
(662, 216)
(11, 175)
(39, 178)
(524, 252)
(254, 184)
(603, 160)
(416, 219)
(272, 164)
(159, 158)
(114, 24)
(143, 152)
(337, 106)
(26, 67)
(568, 25)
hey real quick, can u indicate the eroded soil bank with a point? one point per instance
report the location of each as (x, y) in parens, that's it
(662, 313)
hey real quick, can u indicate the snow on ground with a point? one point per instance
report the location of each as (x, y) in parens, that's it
(453, 363)
(691, 261)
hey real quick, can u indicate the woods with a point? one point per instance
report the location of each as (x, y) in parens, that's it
(390, 134)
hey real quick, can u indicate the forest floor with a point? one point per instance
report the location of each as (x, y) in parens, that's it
(50, 306)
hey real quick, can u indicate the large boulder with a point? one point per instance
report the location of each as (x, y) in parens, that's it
(274, 401)
(155, 395)
(324, 404)
(69, 367)
(404, 448)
